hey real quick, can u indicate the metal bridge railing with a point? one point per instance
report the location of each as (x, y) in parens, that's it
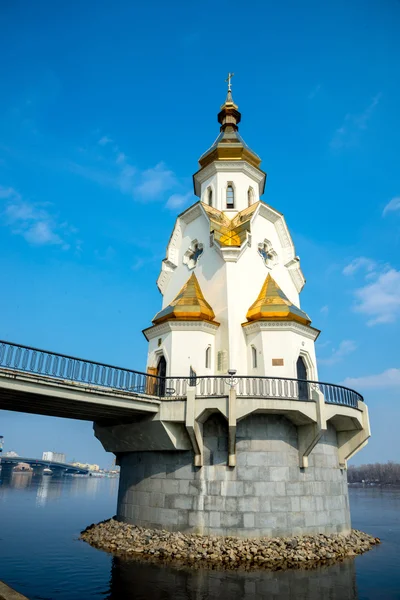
(59, 366)
(62, 367)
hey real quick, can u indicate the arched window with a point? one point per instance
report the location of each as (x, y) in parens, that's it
(209, 196)
(208, 357)
(250, 196)
(254, 356)
(230, 196)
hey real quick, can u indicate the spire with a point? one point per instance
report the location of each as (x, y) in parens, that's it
(229, 117)
(229, 145)
(188, 305)
(273, 305)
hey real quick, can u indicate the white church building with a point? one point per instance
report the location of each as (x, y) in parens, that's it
(231, 279)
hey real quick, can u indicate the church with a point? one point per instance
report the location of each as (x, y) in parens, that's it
(231, 279)
(245, 441)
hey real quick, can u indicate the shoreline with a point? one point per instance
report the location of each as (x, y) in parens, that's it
(216, 552)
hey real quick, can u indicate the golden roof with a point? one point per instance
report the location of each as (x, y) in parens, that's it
(189, 305)
(229, 144)
(273, 305)
(230, 232)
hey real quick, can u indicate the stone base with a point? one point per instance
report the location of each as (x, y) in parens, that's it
(266, 494)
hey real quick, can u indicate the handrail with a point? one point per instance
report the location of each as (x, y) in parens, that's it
(61, 366)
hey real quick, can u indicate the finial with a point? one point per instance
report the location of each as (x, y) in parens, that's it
(228, 81)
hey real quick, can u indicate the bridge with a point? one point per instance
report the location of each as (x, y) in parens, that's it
(135, 411)
(7, 464)
(162, 429)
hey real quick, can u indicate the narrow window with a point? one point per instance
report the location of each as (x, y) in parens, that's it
(254, 357)
(208, 357)
(209, 196)
(230, 197)
(250, 196)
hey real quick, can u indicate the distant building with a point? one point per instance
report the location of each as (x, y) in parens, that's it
(86, 466)
(11, 454)
(23, 467)
(54, 456)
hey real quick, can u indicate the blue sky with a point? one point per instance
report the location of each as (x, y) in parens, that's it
(104, 111)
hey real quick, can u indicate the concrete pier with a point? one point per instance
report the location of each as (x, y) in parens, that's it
(266, 494)
(248, 467)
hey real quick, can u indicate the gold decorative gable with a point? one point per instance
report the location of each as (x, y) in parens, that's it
(229, 232)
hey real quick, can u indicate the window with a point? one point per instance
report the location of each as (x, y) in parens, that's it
(250, 196)
(230, 197)
(209, 196)
(254, 357)
(208, 357)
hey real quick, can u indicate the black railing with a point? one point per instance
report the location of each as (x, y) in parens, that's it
(59, 366)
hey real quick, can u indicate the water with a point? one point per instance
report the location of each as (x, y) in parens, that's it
(42, 557)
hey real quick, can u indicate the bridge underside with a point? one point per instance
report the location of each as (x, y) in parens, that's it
(37, 394)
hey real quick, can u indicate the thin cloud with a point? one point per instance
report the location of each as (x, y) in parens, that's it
(32, 221)
(392, 206)
(348, 133)
(380, 300)
(359, 263)
(388, 379)
(153, 182)
(178, 200)
(324, 310)
(104, 141)
(345, 348)
(113, 168)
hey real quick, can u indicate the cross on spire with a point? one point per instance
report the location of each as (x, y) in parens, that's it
(228, 80)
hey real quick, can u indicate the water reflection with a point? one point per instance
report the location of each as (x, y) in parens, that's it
(136, 581)
(21, 479)
(48, 489)
(40, 555)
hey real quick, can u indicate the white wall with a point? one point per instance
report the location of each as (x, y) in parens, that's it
(241, 184)
(231, 288)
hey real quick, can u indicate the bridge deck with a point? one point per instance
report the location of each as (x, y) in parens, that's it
(40, 394)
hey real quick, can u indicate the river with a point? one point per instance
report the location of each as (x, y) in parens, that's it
(42, 557)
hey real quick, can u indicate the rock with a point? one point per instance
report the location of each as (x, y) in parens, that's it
(230, 552)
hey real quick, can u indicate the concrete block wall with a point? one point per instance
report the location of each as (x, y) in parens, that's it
(266, 494)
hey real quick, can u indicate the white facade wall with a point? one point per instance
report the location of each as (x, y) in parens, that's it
(288, 343)
(241, 183)
(230, 284)
(54, 456)
(184, 346)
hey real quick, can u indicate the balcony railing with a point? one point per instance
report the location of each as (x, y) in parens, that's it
(63, 367)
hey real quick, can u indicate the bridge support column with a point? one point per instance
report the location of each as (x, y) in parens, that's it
(38, 470)
(264, 494)
(6, 470)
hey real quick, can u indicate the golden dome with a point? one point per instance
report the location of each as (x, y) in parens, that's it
(188, 305)
(273, 305)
